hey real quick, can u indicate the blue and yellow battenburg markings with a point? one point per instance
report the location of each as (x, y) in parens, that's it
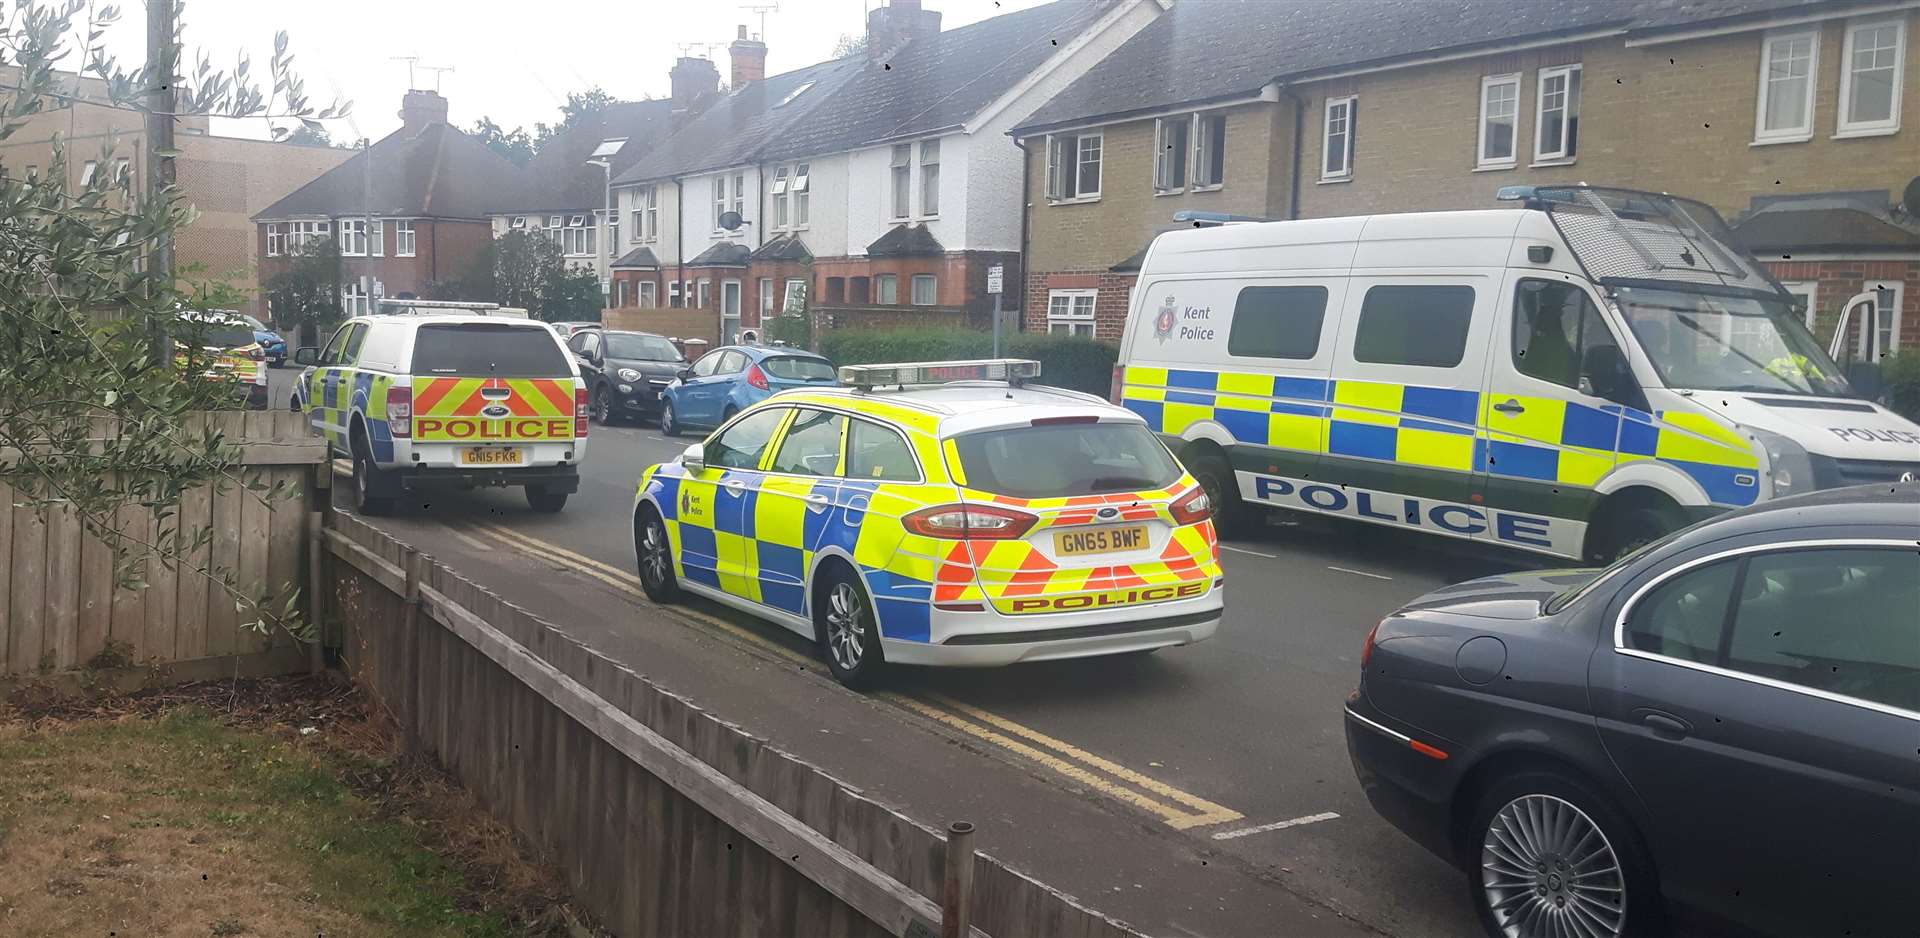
(1552, 440)
(339, 392)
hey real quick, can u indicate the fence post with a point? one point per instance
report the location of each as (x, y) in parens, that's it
(410, 658)
(956, 895)
(316, 598)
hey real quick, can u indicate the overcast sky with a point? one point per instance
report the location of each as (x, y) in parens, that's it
(511, 60)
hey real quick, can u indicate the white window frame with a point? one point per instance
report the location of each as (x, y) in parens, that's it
(649, 294)
(740, 194)
(900, 181)
(673, 295)
(519, 223)
(353, 237)
(779, 193)
(765, 288)
(719, 200)
(1203, 155)
(1163, 154)
(1809, 289)
(800, 190)
(1893, 336)
(1061, 166)
(1345, 172)
(892, 280)
(87, 171)
(1569, 114)
(276, 239)
(1844, 128)
(1803, 132)
(403, 238)
(1072, 321)
(704, 291)
(1512, 159)
(354, 300)
(929, 178)
(1080, 164)
(933, 290)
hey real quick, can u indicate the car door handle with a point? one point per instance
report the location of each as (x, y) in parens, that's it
(1666, 726)
(1510, 406)
(733, 485)
(818, 502)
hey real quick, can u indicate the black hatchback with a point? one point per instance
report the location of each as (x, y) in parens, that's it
(625, 372)
(1726, 722)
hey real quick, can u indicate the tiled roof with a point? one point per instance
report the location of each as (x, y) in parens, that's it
(906, 241)
(1821, 225)
(787, 248)
(724, 254)
(936, 82)
(640, 257)
(432, 172)
(559, 179)
(1223, 49)
(734, 129)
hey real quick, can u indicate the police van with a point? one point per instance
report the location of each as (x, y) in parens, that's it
(1574, 375)
(465, 395)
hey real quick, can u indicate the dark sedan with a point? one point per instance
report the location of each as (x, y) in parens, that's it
(625, 372)
(1726, 722)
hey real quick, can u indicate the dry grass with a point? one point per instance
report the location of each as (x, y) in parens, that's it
(204, 811)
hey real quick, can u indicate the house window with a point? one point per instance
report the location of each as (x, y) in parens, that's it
(1888, 321)
(1870, 77)
(276, 239)
(86, 172)
(1209, 151)
(519, 223)
(403, 238)
(924, 289)
(780, 197)
(801, 191)
(1070, 312)
(1170, 159)
(886, 289)
(1073, 166)
(729, 310)
(929, 177)
(719, 200)
(673, 294)
(765, 287)
(123, 174)
(613, 229)
(794, 297)
(1499, 116)
(1809, 293)
(902, 179)
(1785, 109)
(619, 293)
(649, 294)
(33, 173)
(353, 237)
(353, 299)
(740, 194)
(705, 292)
(377, 244)
(1559, 118)
(646, 213)
(302, 233)
(1337, 139)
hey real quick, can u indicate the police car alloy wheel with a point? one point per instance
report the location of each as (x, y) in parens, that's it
(654, 554)
(1551, 857)
(847, 631)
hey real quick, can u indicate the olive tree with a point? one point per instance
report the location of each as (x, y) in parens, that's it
(100, 366)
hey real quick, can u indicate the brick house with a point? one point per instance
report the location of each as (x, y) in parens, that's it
(1302, 109)
(884, 182)
(429, 191)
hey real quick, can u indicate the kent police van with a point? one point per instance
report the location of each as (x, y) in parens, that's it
(1573, 376)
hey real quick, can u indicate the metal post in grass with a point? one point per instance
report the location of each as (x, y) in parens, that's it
(956, 894)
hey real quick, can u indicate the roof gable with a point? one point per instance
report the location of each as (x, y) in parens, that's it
(434, 171)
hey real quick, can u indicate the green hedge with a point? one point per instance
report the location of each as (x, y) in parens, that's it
(1065, 361)
(1900, 375)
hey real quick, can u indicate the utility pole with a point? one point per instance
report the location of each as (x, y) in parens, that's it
(161, 68)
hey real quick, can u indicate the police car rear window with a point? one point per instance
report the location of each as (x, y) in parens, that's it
(487, 349)
(1059, 460)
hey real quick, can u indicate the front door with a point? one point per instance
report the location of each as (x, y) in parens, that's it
(796, 498)
(736, 454)
(1551, 431)
(1765, 709)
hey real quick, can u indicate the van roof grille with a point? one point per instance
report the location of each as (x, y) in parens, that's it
(1621, 234)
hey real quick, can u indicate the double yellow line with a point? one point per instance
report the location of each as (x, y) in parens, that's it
(1178, 809)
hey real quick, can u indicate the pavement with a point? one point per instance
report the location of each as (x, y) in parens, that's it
(1203, 790)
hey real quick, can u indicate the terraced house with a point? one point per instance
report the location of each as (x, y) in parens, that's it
(882, 186)
(1796, 120)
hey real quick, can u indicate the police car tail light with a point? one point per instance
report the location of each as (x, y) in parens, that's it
(400, 411)
(970, 523)
(1192, 507)
(579, 412)
(756, 377)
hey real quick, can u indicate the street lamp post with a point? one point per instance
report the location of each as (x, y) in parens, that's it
(604, 271)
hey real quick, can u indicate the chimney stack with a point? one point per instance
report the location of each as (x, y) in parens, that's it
(749, 58)
(422, 109)
(891, 26)
(691, 78)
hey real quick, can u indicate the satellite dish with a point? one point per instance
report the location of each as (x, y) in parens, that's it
(1910, 200)
(731, 221)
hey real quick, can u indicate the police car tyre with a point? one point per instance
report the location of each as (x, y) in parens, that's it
(1229, 513)
(849, 637)
(669, 424)
(544, 500)
(1548, 854)
(366, 478)
(653, 555)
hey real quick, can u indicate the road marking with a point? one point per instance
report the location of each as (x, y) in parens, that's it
(1358, 572)
(1198, 812)
(1277, 825)
(1210, 813)
(1242, 550)
(469, 539)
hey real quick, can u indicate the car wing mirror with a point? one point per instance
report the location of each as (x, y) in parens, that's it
(694, 458)
(686, 374)
(306, 355)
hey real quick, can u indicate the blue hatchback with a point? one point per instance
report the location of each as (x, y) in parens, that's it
(732, 378)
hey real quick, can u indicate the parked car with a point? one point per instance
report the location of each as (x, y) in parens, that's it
(272, 344)
(625, 372)
(1725, 721)
(567, 330)
(732, 378)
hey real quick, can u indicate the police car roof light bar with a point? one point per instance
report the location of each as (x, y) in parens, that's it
(903, 374)
(386, 307)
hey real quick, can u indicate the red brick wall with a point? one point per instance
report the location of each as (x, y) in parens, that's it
(961, 277)
(1840, 280)
(443, 251)
(1109, 305)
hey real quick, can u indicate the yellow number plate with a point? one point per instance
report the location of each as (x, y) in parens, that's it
(1100, 540)
(490, 456)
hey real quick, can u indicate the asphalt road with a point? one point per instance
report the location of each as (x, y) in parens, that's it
(1219, 768)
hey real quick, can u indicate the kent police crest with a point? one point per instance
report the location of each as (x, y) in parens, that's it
(1163, 323)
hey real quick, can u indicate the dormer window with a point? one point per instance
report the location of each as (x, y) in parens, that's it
(797, 92)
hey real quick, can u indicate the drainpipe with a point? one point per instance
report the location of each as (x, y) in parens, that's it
(680, 238)
(1299, 127)
(1026, 214)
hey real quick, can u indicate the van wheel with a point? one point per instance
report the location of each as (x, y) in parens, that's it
(1550, 855)
(545, 500)
(366, 478)
(849, 635)
(669, 424)
(1631, 530)
(653, 554)
(1229, 512)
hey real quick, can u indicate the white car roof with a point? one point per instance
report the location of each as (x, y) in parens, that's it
(967, 406)
(458, 319)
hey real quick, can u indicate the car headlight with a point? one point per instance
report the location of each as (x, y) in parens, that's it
(628, 374)
(1789, 467)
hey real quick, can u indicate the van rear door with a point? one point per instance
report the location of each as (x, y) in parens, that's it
(491, 383)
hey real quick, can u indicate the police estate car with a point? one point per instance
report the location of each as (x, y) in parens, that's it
(978, 521)
(453, 395)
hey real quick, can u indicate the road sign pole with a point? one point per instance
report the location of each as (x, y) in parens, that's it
(995, 282)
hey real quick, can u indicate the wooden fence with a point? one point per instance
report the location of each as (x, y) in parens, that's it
(60, 606)
(667, 820)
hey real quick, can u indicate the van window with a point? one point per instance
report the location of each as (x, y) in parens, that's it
(476, 349)
(1556, 332)
(1277, 322)
(1422, 325)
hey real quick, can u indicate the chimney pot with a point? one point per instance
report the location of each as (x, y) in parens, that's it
(748, 58)
(893, 25)
(422, 109)
(690, 78)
